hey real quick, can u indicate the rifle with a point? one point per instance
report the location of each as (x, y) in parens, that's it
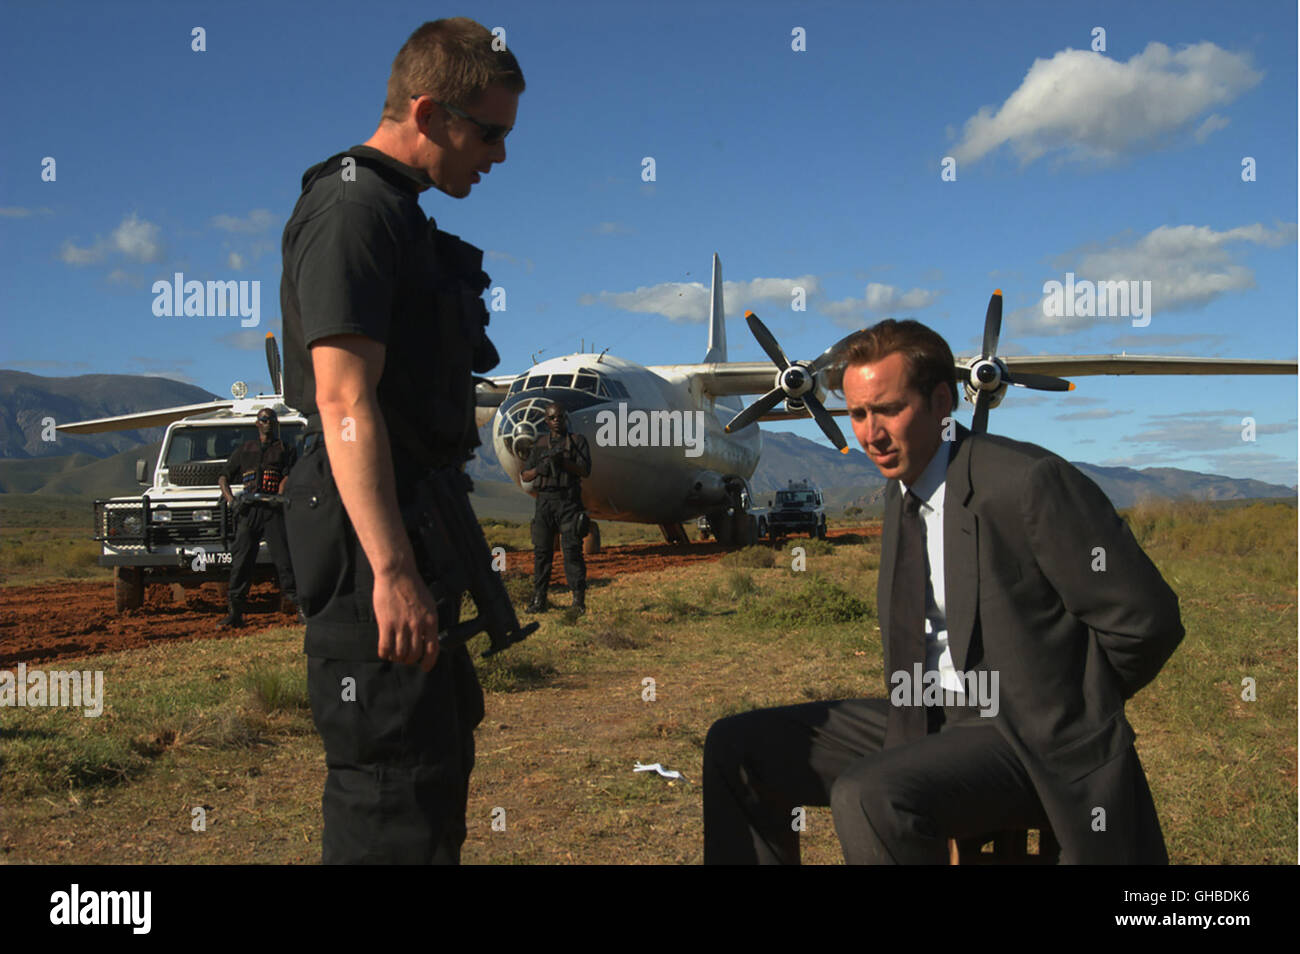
(450, 550)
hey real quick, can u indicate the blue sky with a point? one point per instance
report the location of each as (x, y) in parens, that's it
(818, 168)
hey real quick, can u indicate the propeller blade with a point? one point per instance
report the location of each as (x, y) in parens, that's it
(756, 410)
(273, 363)
(766, 341)
(980, 422)
(824, 359)
(992, 324)
(826, 422)
(1039, 382)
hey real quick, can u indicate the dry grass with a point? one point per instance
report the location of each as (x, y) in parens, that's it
(221, 725)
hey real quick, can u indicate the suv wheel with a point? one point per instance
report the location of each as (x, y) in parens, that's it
(128, 587)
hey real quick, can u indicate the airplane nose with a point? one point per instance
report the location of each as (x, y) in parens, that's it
(523, 436)
(521, 420)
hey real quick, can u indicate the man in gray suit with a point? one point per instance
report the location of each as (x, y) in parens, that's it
(1017, 614)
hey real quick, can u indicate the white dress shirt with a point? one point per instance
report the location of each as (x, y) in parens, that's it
(929, 487)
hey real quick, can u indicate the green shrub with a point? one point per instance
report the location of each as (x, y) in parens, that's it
(817, 600)
(758, 557)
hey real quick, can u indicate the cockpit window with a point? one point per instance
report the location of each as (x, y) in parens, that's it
(611, 388)
(586, 382)
(535, 382)
(516, 385)
(561, 381)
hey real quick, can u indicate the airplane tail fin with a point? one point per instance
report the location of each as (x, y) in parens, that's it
(717, 319)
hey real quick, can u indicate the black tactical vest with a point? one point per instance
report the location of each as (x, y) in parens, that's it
(437, 340)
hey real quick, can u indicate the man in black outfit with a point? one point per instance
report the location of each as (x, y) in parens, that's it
(262, 466)
(384, 329)
(558, 462)
(1017, 613)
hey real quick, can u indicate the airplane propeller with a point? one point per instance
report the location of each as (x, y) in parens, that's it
(273, 364)
(796, 381)
(987, 377)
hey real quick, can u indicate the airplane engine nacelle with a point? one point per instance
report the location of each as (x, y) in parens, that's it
(709, 490)
(797, 406)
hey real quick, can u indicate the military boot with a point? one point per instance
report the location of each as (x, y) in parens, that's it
(538, 603)
(234, 619)
(580, 601)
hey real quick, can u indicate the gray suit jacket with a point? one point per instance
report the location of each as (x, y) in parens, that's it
(1070, 643)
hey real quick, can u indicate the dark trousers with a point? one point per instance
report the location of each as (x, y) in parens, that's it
(399, 748)
(254, 522)
(890, 806)
(556, 511)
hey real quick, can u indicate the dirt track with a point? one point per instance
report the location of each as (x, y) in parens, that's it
(53, 621)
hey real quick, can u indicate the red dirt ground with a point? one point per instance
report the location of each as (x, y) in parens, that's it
(50, 621)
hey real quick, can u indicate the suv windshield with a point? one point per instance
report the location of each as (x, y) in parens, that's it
(190, 444)
(787, 497)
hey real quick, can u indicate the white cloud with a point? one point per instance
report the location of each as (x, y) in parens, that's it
(1213, 123)
(1096, 414)
(878, 298)
(120, 276)
(73, 255)
(1087, 106)
(137, 240)
(688, 302)
(134, 239)
(259, 220)
(1188, 266)
(1192, 433)
(492, 255)
(235, 261)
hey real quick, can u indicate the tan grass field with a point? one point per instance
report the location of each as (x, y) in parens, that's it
(223, 726)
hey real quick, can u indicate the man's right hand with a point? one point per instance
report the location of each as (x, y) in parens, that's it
(408, 620)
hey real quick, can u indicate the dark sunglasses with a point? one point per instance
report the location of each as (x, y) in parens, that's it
(492, 133)
(265, 420)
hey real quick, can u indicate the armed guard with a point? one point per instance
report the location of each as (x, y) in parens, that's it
(385, 328)
(558, 461)
(262, 466)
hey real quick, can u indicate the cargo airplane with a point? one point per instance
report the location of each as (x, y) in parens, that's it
(671, 443)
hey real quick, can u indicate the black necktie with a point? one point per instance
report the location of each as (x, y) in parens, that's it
(907, 618)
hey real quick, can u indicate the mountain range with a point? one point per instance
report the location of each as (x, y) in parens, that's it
(103, 465)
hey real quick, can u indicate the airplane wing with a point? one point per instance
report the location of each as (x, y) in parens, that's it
(1067, 366)
(757, 377)
(490, 392)
(724, 378)
(130, 422)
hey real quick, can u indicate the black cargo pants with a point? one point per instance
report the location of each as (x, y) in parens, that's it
(399, 742)
(255, 522)
(557, 510)
(399, 749)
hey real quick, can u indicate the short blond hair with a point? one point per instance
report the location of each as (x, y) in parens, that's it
(453, 61)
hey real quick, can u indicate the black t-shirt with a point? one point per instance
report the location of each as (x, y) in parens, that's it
(259, 467)
(576, 451)
(361, 258)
